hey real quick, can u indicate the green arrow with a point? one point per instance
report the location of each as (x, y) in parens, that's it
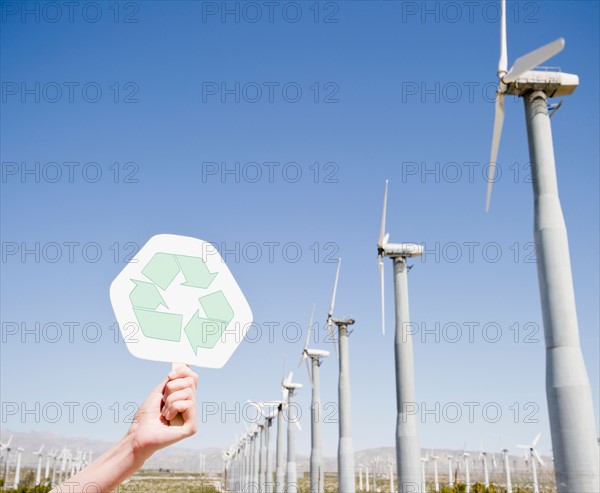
(204, 332)
(145, 295)
(159, 325)
(161, 269)
(195, 271)
(216, 306)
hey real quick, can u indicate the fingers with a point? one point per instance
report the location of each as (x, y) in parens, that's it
(179, 397)
(172, 400)
(178, 384)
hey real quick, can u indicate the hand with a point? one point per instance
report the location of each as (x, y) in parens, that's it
(151, 429)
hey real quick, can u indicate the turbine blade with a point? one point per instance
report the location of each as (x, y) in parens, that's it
(310, 326)
(497, 133)
(382, 290)
(337, 276)
(331, 331)
(503, 62)
(383, 214)
(533, 59)
(302, 358)
(539, 459)
(536, 440)
(309, 372)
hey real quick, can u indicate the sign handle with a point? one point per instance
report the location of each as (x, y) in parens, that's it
(177, 420)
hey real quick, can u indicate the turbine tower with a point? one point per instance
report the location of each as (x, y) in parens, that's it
(570, 405)
(269, 461)
(346, 473)
(408, 451)
(38, 472)
(436, 479)
(486, 473)
(17, 478)
(466, 456)
(314, 373)
(289, 389)
(507, 471)
(280, 458)
(450, 475)
(6, 446)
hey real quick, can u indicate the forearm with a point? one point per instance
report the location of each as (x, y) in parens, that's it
(107, 471)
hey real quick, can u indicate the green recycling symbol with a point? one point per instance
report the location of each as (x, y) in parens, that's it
(201, 331)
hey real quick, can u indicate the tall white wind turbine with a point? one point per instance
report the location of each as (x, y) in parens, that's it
(314, 373)
(408, 451)
(570, 405)
(289, 390)
(346, 473)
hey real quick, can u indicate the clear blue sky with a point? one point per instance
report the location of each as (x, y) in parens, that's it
(363, 72)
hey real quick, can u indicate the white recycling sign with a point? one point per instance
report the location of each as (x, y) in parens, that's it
(177, 301)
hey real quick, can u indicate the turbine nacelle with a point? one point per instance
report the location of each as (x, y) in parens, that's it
(292, 386)
(405, 250)
(553, 83)
(316, 353)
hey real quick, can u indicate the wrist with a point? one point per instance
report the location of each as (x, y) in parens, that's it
(139, 452)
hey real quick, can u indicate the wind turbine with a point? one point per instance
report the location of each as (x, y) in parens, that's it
(269, 464)
(289, 389)
(533, 457)
(262, 458)
(6, 446)
(280, 458)
(486, 474)
(345, 448)
(360, 477)
(50, 454)
(424, 461)
(570, 405)
(38, 472)
(17, 479)
(391, 465)
(507, 471)
(314, 373)
(466, 456)
(408, 451)
(450, 475)
(367, 478)
(436, 479)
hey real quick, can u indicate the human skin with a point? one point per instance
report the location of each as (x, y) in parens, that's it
(149, 432)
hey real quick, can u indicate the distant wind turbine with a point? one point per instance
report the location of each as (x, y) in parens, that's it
(17, 479)
(534, 457)
(507, 471)
(289, 389)
(38, 472)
